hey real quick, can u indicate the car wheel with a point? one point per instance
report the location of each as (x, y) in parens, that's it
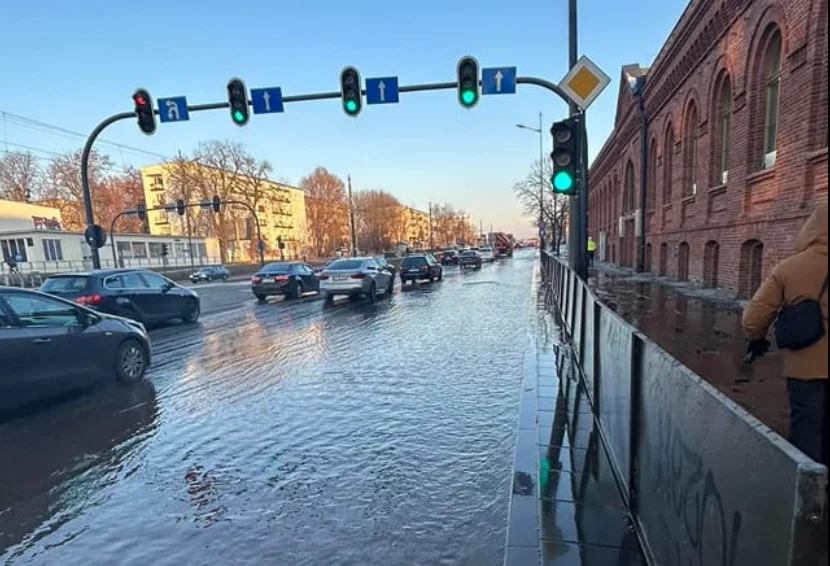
(296, 291)
(131, 362)
(373, 292)
(191, 312)
(261, 298)
(390, 288)
(224, 278)
(441, 275)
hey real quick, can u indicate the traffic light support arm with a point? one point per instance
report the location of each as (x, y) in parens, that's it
(130, 211)
(90, 141)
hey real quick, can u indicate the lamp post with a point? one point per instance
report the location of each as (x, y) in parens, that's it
(541, 176)
(636, 85)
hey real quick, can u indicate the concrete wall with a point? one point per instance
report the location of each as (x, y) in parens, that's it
(707, 483)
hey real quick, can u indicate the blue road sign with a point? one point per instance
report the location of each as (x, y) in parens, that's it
(173, 109)
(382, 91)
(267, 100)
(498, 80)
(542, 232)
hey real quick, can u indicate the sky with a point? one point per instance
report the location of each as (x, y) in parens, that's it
(70, 64)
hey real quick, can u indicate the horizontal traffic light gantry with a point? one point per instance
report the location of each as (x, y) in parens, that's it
(144, 111)
(565, 155)
(468, 77)
(350, 89)
(238, 101)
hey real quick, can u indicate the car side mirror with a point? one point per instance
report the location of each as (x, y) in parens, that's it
(167, 287)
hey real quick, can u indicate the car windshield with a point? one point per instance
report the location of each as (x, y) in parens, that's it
(74, 284)
(414, 262)
(206, 270)
(487, 250)
(272, 267)
(468, 253)
(450, 252)
(346, 264)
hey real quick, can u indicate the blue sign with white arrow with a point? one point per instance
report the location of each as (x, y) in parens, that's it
(173, 109)
(498, 80)
(267, 100)
(382, 90)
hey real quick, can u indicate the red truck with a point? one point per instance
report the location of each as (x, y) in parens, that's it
(502, 244)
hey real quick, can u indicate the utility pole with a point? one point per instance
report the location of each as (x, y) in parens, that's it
(578, 226)
(541, 184)
(351, 218)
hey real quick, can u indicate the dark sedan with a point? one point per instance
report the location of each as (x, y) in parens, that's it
(470, 258)
(49, 346)
(210, 273)
(449, 257)
(141, 295)
(420, 268)
(287, 279)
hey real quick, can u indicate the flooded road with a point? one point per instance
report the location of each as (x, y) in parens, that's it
(288, 433)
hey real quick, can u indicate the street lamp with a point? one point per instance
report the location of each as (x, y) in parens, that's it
(541, 176)
(636, 85)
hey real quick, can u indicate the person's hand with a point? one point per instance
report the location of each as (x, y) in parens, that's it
(755, 349)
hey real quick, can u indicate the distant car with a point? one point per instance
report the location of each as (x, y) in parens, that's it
(487, 255)
(49, 346)
(141, 295)
(288, 279)
(210, 273)
(449, 257)
(420, 268)
(355, 277)
(469, 258)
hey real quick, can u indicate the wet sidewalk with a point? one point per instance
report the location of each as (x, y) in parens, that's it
(566, 508)
(702, 329)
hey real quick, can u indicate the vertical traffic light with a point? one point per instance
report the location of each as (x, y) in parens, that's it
(180, 208)
(238, 100)
(216, 203)
(141, 211)
(566, 155)
(468, 74)
(350, 91)
(165, 249)
(144, 111)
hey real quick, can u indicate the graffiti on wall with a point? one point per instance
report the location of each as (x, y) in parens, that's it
(698, 529)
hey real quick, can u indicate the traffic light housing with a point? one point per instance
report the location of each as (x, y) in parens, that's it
(216, 203)
(165, 250)
(566, 155)
(238, 101)
(180, 208)
(468, 75)
(350, 91)
(141, 211)
(144, 111)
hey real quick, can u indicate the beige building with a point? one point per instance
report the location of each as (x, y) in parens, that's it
(279, 207)
(417, 227)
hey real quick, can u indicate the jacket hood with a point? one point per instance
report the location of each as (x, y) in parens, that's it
(813, 234)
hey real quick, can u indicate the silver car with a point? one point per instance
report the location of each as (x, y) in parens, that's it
(355, 277)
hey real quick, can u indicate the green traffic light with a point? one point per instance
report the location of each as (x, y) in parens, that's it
(562, 182)
(238, 116)
(351, 106)
(468, 97)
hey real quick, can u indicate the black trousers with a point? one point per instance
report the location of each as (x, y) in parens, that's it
(591, 255)
(808, 417)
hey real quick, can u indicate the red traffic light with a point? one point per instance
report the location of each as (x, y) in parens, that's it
(140, 100)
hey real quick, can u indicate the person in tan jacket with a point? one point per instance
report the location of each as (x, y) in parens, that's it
(801, 276)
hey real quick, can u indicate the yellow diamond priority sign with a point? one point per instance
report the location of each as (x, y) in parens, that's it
(584, 83)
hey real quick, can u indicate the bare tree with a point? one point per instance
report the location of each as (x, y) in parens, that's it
(63, 190)
(554, 207)
(376, 216)
(326, 210)
(20, 176)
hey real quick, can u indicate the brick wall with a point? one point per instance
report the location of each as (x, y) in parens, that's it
(714, 69)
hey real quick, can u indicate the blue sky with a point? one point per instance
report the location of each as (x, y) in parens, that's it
(72, 63)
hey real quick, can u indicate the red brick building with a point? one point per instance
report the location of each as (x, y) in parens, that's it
(736, 107)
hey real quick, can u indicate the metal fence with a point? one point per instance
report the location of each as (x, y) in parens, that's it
(707, 483)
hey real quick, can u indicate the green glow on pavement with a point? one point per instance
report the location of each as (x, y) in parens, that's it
(563, 182)
(238, 116)
(468, 97)
(351, 106)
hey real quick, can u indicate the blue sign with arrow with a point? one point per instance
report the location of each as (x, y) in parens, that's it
(382, 90)
(173, 109)
(498, 80)
(267, 100)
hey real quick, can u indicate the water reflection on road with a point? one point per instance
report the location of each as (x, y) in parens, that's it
(288, 434)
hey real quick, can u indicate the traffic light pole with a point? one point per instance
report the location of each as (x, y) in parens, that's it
(135, 212)
(578, 226)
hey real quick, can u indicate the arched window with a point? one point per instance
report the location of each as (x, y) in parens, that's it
(683, 262)
(691, 151)
(664, 260)
(723, 130)
(652, 175)
(750, 270)
(629, 201)
(772, 93)
(668, 165)
(711, 260)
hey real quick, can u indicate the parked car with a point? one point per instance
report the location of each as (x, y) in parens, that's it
(144, 296)
(49, 346)
(420, 268)
(210, 273)
(290, 279)
(470, 258)
(355, 277)
(449, 257)
(487, 255)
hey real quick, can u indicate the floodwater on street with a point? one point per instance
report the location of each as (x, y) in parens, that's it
(288, 433)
